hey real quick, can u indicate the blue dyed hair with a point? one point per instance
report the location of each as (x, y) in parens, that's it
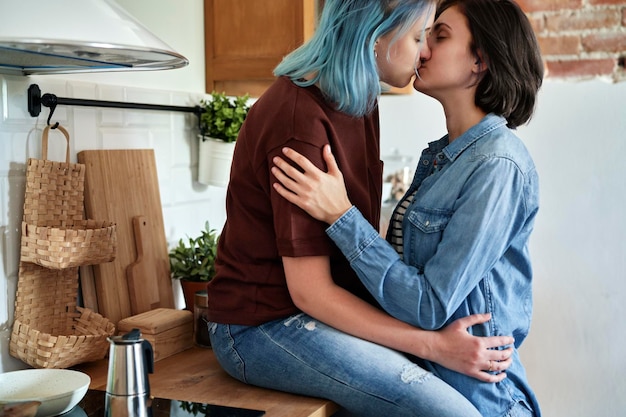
(340, 55)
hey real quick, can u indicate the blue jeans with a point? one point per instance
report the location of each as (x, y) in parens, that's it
(304, 356)
(520, 410)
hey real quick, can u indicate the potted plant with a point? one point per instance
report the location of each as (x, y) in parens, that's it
(192, 261)
(220, 121)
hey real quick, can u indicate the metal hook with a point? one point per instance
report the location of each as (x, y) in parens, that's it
(50, 100)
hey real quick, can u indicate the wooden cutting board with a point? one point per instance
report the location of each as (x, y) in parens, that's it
(143, 285)
(119, 186)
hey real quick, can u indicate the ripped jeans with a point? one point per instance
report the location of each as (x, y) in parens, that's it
(304, 356)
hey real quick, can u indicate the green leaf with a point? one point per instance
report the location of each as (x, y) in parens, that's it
(223, 117)
(195, 260)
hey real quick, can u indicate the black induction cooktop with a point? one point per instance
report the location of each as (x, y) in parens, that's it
(92, 405)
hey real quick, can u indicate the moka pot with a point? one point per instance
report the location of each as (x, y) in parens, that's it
(131, 359)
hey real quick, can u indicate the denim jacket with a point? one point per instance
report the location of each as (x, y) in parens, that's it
(465, 250)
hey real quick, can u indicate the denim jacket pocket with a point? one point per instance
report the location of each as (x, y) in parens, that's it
(424, 230)
(429, 221)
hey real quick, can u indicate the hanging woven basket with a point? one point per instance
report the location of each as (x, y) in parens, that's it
(50, 330)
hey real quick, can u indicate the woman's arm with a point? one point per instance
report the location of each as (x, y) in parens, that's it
(428, 297)
(315, 293)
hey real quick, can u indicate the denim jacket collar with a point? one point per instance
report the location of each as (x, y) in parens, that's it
(486, 125)
(441, 147)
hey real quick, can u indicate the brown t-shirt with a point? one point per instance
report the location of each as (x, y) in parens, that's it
(261, 227)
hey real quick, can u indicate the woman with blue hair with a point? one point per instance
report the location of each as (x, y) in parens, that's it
(286, 311)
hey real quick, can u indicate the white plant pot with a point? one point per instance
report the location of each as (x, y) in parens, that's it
(214, 159)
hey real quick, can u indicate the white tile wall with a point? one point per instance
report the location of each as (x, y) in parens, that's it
(186, 204)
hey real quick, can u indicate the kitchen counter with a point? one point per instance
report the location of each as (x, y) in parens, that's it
(194, 375)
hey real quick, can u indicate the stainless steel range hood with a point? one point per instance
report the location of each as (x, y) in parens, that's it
(69, 36)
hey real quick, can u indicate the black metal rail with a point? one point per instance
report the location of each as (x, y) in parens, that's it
(36, 100)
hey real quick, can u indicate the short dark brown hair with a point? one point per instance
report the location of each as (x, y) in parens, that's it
(504, 39)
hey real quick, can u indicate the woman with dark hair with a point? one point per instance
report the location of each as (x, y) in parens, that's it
(458, 240)
(287, 312)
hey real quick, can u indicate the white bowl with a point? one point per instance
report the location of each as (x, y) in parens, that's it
(59, 390)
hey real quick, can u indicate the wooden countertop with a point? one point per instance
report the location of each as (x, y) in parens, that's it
(194, 375)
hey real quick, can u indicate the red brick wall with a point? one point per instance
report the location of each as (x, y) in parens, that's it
(580, 39)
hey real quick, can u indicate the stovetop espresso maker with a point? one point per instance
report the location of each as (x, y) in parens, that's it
(131, 359)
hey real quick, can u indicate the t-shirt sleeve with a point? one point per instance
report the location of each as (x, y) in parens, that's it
(297, 233)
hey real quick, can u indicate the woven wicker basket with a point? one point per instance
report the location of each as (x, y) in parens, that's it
(54, 233)
(50, 330)
(43, 350)
(86, 242)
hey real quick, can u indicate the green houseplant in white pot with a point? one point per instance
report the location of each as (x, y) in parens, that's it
(192, 261)
(220, 121)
